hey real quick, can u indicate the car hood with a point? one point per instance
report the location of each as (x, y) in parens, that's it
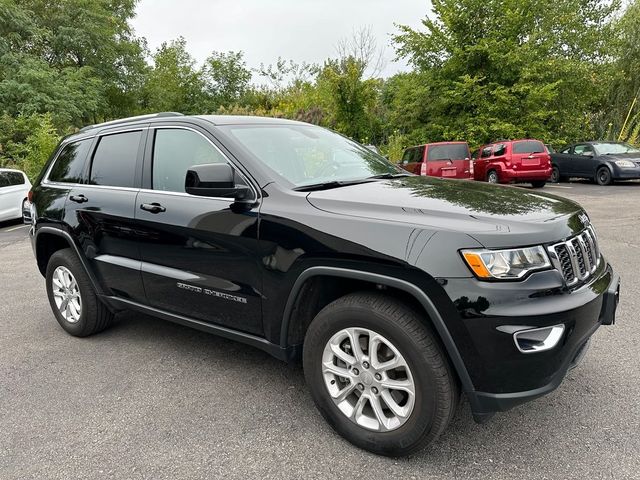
(495, 215)
(634, 157)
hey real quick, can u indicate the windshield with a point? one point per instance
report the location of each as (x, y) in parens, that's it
(615, 148)
(309, 155)
(454, 151)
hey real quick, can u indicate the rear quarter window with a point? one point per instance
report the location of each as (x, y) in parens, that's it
(528, 146)
(69, 165)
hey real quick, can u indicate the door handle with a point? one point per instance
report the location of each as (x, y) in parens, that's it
(78, 198)
(153, 207)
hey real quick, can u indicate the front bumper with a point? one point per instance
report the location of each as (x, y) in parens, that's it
(503, 376)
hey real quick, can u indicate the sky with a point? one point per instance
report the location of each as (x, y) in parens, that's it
(300, 30)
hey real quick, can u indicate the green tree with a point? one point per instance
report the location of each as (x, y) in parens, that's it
(509, 68)
(174, 83)
(226, 78)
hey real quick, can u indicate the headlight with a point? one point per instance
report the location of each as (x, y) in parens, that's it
(625, 164)
(506, 264)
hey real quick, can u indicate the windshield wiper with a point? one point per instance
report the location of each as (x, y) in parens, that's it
(390, 175)
(331, 184)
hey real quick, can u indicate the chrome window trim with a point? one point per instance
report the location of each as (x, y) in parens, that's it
(225, 156)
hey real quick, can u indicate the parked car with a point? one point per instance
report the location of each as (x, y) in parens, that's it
(398, 291)
(514, 161)
(14, 190)
(603, 162)
(442, 159)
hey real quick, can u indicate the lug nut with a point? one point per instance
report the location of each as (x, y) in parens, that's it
(378, 376)
(356, 372)
(360, 386)
(365, 364)
(374, 390)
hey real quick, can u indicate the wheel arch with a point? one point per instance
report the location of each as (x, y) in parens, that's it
(421, 299)
(49, 240)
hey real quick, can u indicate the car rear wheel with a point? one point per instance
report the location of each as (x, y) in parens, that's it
(378, 375)
(555, 175)
(72, 298)
(603, 176)
(492, 177)
(538, 184)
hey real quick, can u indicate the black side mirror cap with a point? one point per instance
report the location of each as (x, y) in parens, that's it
(214, 180)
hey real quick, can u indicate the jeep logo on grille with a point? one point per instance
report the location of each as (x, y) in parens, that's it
(584, 219)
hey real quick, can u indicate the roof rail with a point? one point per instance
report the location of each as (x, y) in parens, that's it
(131, 119)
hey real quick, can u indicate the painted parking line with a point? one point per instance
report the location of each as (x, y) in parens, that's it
(557, 186)
(15, 228)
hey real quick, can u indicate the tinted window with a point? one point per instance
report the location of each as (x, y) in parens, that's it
(4, 179)
(499, 149)
(528, 146)
(15, 178)
(456, 151)
(176, 150)
(406, 156)
(486, 152)
(69, 166)
(566, 150)
(114, 161)
(419, 154)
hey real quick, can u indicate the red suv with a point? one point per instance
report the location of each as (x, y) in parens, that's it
(443, 159)
(514, 161)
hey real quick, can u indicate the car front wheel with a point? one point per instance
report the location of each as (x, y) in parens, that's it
(378, 375)
(603, 176)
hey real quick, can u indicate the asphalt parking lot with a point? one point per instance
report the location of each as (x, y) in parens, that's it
(149, 399)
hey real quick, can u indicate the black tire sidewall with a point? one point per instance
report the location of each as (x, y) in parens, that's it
(607, 180)
(555, 175)
(403, 439)
(67, 259)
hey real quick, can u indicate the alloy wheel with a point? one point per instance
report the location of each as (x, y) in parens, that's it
(66, 294)
(368, 379)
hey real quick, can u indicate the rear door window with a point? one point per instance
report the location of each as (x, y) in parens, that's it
(15, 178)
(486, 152)
(407, 155)
(69, 166)
(115, 158)
(419, 154)
(447, 152)
(528, 146)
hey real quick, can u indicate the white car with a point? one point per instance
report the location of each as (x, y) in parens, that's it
(14, 188)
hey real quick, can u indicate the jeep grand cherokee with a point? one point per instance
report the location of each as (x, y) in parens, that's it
(399, 292)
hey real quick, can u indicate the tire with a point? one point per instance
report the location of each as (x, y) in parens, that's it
(492, 177)
(425, 367)
(92, 316)
(538, 184)
(555, 175)
(603, 176)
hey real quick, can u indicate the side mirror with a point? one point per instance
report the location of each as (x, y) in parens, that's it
(214, 180)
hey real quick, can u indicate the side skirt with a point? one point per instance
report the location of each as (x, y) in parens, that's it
(284, 354)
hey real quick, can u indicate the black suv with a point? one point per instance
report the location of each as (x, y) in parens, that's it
(399, 292)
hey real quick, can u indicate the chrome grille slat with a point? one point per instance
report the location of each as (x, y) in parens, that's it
(577, 257)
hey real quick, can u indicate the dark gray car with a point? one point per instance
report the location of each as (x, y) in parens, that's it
(603, 162)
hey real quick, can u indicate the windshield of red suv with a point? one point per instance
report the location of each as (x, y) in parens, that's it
(614, 148)
(309, 155)
(528, 146)
(452, 151)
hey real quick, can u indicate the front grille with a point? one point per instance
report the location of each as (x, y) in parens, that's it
(576, 258)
